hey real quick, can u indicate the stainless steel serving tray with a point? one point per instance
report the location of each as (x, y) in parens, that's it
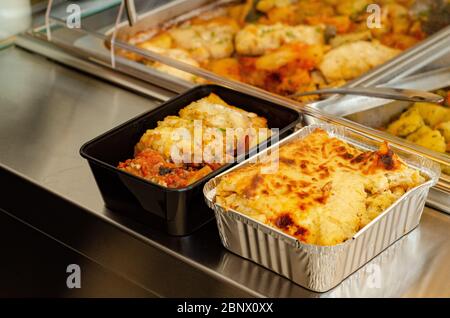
(321, 268)
(407, 62)
(384, 111)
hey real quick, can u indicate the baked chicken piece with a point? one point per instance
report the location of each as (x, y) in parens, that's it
(212, 39)
(257, 39)
(351, 60)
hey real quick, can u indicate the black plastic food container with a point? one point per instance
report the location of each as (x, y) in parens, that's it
(179, 211)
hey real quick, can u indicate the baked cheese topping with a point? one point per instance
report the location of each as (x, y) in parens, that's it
(323, 191)
(210, 114)
(201, 128)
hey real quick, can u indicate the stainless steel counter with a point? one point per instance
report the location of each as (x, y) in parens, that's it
(48, 111)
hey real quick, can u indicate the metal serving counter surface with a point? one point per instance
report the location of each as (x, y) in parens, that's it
(48, 111)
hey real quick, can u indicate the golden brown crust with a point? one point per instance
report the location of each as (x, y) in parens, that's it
(323, 191)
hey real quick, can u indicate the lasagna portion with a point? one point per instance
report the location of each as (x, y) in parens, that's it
(204, 135)
(323, 190)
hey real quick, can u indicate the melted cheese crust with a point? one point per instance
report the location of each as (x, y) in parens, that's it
(323, 191)
(213, 116)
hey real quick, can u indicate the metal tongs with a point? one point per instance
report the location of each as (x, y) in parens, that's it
(131, 12)
(410, 95)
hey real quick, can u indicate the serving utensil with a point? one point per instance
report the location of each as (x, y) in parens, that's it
(410, 95)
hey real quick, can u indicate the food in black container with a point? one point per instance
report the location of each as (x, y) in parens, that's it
(180, 209)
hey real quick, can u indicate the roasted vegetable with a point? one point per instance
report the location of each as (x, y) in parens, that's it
(428, 138)
(408, 123)
(425, 124)
(432, 114)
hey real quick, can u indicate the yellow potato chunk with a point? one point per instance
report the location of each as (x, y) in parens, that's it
(408, 123)
(444, 129)
(432, 114)
(428, 138)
